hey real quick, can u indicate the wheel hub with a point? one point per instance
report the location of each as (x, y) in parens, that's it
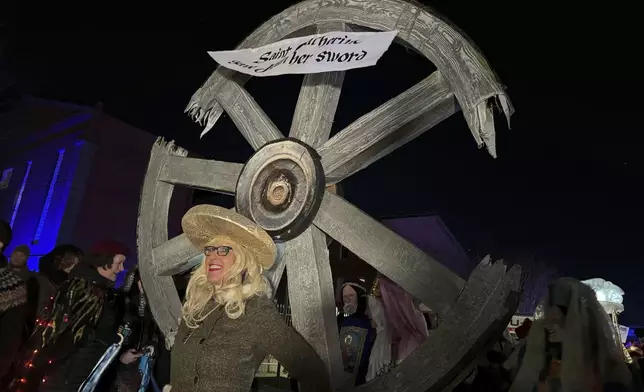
(281, 187)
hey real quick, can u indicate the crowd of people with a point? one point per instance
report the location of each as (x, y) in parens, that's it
(57, 323)
(67, 328)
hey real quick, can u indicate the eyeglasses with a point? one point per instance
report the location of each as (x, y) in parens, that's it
(221, 250)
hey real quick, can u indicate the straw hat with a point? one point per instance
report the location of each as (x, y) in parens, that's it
(208, 224)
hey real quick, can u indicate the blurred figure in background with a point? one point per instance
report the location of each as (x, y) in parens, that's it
(82, 324)
(13, 305)
(571, 345)
(18, 265)
(357, 334)
(54, 268)
(140, 349)
(5, 239)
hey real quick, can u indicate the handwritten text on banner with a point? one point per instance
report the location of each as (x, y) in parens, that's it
(336, 51)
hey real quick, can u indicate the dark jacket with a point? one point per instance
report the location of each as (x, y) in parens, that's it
(33, 290)
(65, 348)
(144, 332)
(13, 303)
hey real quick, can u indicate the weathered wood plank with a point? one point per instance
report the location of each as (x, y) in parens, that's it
(253, 123)
(408, 132)
(173, 257)
(466, 70)
(375, 134)
(201, 173)
(415, 271)
(318, 101)
(482, 312)
(276, 272)
(152, 231)
(310, 288)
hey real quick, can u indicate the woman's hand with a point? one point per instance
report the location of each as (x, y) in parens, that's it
(129, 356)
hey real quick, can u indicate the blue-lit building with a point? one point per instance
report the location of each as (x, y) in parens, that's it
(72, 174)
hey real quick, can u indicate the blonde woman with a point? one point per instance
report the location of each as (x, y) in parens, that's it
(229, 325)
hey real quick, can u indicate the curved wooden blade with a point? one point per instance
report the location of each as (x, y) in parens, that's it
(318, 101)
(311, 295)
(481, 313)
(389, 126)
(415, 271)
(204, 174)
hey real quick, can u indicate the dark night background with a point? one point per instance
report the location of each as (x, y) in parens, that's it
(567, 186)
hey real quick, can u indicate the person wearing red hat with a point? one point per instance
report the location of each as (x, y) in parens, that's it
(83, 322)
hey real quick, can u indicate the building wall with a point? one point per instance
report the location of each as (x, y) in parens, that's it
(36, 213)
(101, 166)
(110, 206)
(430, 235)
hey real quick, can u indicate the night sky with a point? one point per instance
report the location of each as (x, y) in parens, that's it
(567, 185)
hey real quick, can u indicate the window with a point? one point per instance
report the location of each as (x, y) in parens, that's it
(16, 205)
(6, 177)
(50, 193)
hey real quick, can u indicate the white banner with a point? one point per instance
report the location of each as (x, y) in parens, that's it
(336, 51)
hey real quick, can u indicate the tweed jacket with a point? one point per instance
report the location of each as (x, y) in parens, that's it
(222, 355)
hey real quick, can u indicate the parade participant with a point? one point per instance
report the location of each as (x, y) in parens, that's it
(571, 345)
(83, 323)
(137, 358)
(380, 361)
(53, 272)
(406, 322)
(5, 239)
(13, 304)
(229, 325)
(357, 334)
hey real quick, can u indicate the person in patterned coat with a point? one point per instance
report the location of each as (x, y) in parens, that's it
(83, 323)
(13, 307)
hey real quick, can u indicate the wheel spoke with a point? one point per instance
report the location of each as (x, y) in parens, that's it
(392, 124)
(250, 119)
(418, 273)
(175, 256)
(311, 295)
(318, 101)
(201, 173)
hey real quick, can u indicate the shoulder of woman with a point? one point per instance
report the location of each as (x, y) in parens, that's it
(260, 304)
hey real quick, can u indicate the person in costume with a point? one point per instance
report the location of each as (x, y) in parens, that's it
(572, 345)
(407, 324)
(380, 360)
(357, 334)
(139, 351)
(83, 323)
(13, 309)
(5, 239)
(229, 325)
(53, 272)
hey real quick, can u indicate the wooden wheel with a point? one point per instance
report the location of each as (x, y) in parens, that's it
(282, 188)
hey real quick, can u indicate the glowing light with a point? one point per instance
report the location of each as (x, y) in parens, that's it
(609, 295)
(50, 192)
(20, 192)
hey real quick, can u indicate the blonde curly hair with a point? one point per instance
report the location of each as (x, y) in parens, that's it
(240, 282)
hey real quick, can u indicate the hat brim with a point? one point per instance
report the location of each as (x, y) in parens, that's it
(206, 223)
